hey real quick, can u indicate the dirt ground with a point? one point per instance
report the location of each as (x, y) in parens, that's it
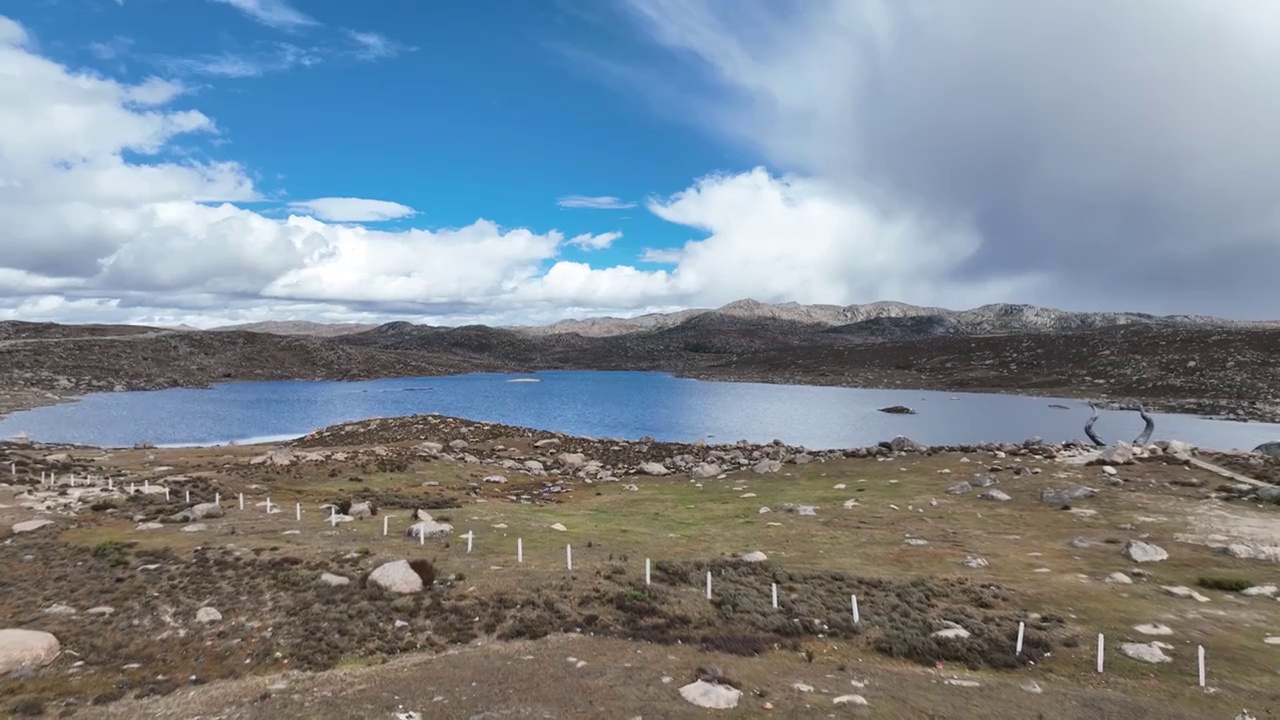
(150, 659)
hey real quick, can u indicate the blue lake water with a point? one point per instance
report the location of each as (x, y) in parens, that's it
(600, 404)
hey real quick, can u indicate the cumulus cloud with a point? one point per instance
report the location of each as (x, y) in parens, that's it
(1127, 153)
(102, 224)
(601, 202)
(345, 209)
(587, 241)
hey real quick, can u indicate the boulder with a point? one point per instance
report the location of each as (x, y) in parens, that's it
(1269, 448)
(653, 468)
(903, 443)
(495, 479)
(22, 650)
(334, 580)
(711, 695)
(27, 526)
(572, 461)
(960, 489)
(1144, 552)
(458, 444)
(396, 577)
(705, 470)
(361, 509)
(1077, 492)
(428, 530)
(755, 556)
(766, 466)
(1121, 453)
(996, 495)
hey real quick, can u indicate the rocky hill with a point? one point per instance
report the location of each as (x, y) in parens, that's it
(1192, 364)
(297, 327)
(894, 319)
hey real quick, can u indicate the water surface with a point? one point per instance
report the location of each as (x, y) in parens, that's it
(600, 404)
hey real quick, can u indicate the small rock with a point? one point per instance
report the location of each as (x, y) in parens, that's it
(495, 479)
(1153, 629)
(559, 527)
(1119, 578)
(1260, 591)
(102, 610)
(957, 682)
(995, 495)
(960, 489)
(849, 700)
(801, 687)
(711, 695)
(334, 580)
(1180, 591)
(60, 609)
(1146, 652)
(1078, 542)
(974, 562)
(755, 556)
(952, 633)
(208, 615)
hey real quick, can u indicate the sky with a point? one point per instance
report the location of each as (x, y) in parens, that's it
(222, 161)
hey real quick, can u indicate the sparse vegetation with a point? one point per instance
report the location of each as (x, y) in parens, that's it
(1226, 584)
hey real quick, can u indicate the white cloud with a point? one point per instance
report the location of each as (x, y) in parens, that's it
(602, 202)
(275, 13)
(265, 59)
(587, 241)
(101, 223)
(1129, 153)
(661, 256)
(374, 46)
(112, 49)
(345, 209)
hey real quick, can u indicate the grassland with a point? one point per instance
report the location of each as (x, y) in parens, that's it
(488, 613)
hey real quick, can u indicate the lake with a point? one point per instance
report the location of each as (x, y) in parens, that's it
(599, 404)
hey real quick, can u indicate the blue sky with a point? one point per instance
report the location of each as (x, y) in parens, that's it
(476, 109)
(215, 161)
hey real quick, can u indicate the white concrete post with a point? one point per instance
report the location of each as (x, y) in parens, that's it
(647, 578)
(166, 494)
(775, 596)
(268, 504)
(470, 536)
(520, 550)
(333, 516)
(241, 501)
(297, 512)
(853, 600)
(1200, 661)
(422, 535)
(1022, 627)
(217, 498)
(188, 497)
(708, 584)
(111, 484)
(568, 556)
(146, 485)
(385, 528)
(1101, 644)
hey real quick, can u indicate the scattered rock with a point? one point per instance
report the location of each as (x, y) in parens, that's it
(957, 682)
(27, 526)
(60, 609)
(766, 466)
(1180, 591)
(428, 530)
(334, 580)
(1260, 591)
(396, 577)
(495, 479)
(1144, 552)
(801, 687)
(1146, 652)
(952, 633)
(711, 695)
(705, 471)
(755, 556)
(974, 562)
(798, 509)
(1078, 542)
(1119, 578)
(995, 495)
(1253, 551)
(101, 610)
(208, 615)
(960, 489)
(1153, 629)
(857, 700)
(653, 468)
(1121, 453)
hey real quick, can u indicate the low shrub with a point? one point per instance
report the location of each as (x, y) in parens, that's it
(1226, 584)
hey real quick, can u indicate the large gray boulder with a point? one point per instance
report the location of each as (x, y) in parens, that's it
(705, 470)
(711, 695)
(26, 649)
(1144, 552)
(396, 577)
(766, 466)
(653, 468)
(429, 530)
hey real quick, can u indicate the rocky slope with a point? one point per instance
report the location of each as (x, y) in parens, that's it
(1188, 364)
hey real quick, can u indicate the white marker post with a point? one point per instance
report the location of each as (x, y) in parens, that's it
(708, 584)
(647, 577)
(775, 596)
(188, 500)
(520, 550)
(146, 485)
(241, 501)
(166, 494)
(217, 498)
(333, 516)
(1101, 644)
(568, 556)
(385, 527)
(470, 536)
(422, 535)
(853, 600)
(111, 484)
(268, 504)
(1022, 627)
(297, 512)
(1200, 659)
